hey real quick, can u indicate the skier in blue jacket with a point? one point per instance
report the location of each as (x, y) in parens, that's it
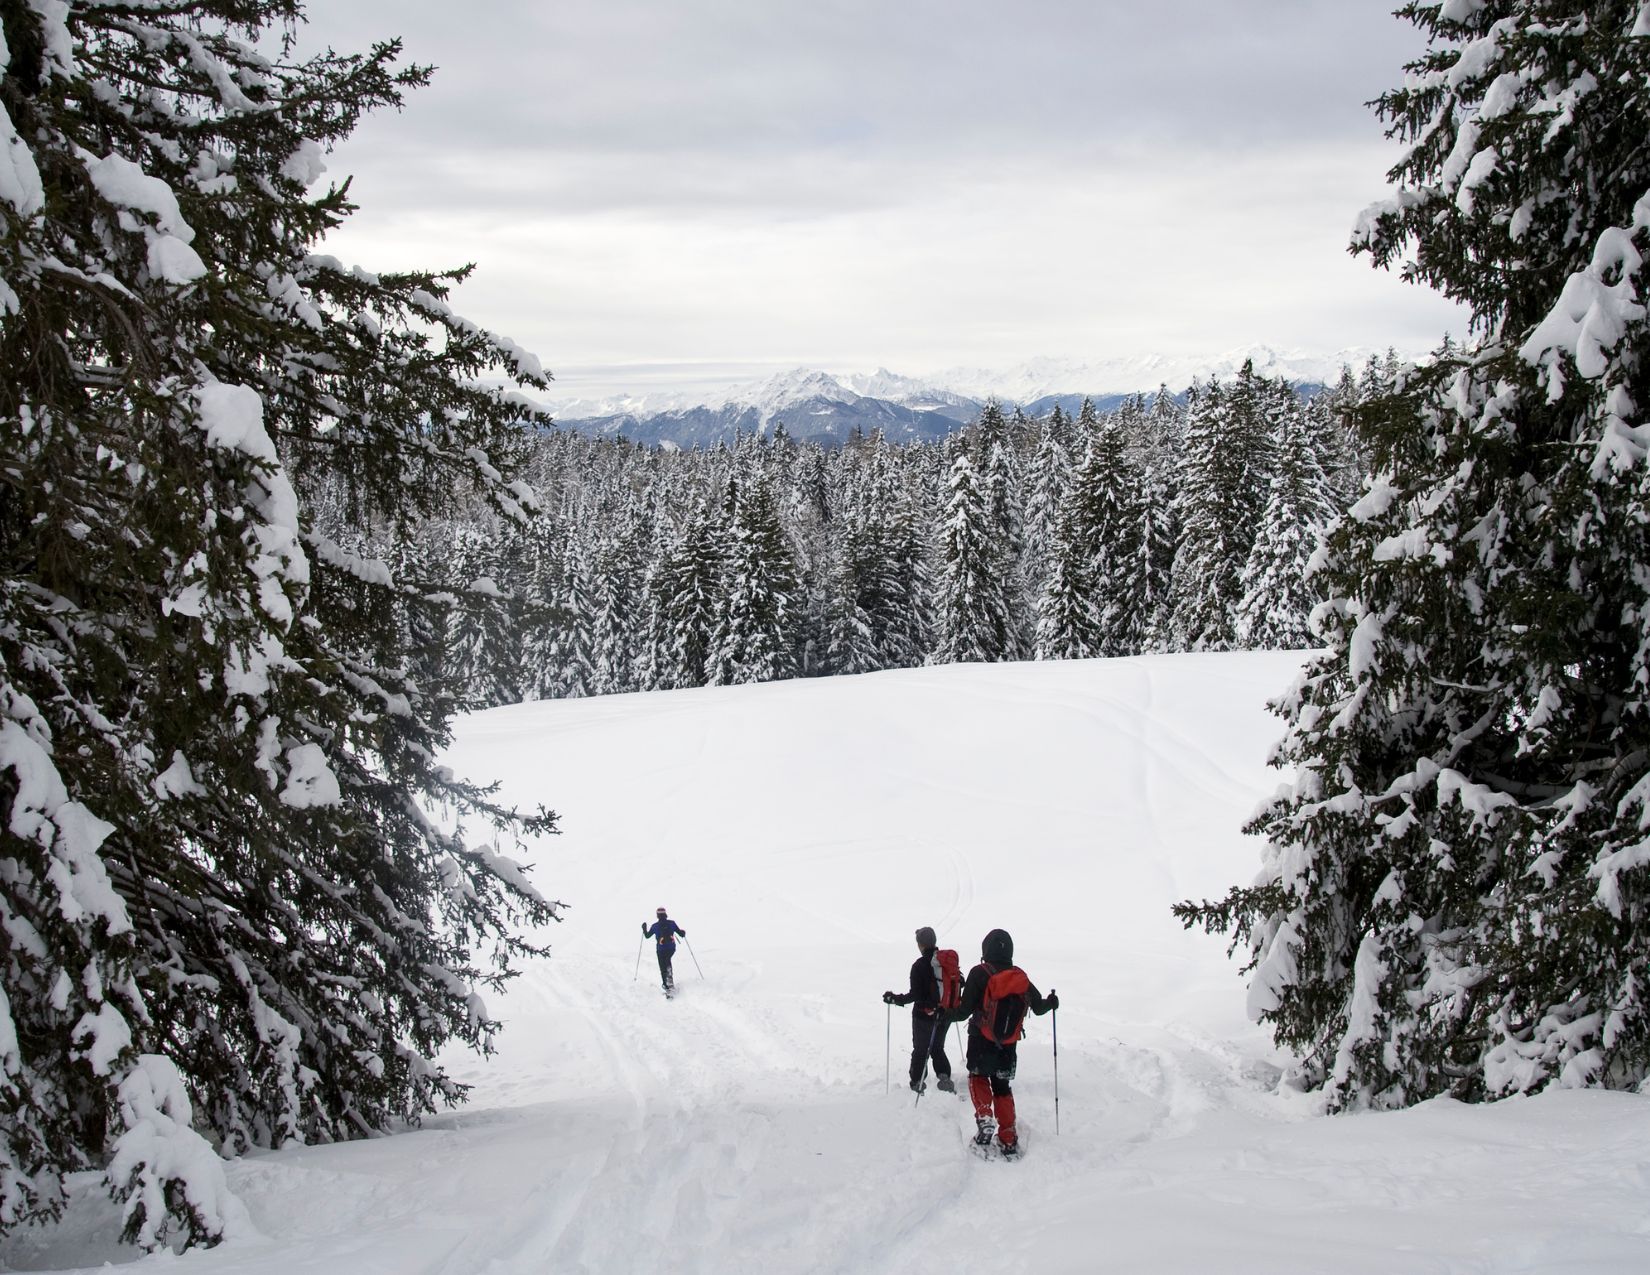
(664, 932)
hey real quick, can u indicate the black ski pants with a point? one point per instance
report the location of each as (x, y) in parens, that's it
(666, 978)
(928, 1041)
(997, 1063)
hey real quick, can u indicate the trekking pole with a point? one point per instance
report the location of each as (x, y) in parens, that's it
(639, 946)
(888, 1053)
(689, 947)
(922, 1081)
(1055, 1015)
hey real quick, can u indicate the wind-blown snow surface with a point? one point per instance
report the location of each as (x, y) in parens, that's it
(800, 832)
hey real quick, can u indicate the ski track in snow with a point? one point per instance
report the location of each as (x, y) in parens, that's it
(801, 832)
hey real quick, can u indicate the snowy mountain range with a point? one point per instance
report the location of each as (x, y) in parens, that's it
(819, 406)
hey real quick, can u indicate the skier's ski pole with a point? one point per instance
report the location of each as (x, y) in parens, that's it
(690, 953)
(639, 946)
(888, 1053)
(1055, 1015)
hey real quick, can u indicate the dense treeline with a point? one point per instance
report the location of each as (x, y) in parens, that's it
(1165, 525)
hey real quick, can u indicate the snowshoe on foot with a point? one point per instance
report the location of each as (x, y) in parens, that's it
(918, 1087)
(984, 1130)
(1008, 1150)
(946, 1084)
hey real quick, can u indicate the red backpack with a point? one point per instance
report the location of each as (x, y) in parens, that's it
(1002, 1011)
(948, 978)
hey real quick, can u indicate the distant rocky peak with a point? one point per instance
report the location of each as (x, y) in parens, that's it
(773, 396)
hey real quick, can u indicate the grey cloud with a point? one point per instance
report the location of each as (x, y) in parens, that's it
(862, 181)
(961, 77)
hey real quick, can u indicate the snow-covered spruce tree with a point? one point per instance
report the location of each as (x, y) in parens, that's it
(756, 634)
(972, 615)
(1161, 439)
(993, 440)
(1224, 475)
(1068, 627)
(1329, 416)
(877, 580)
(568, 666)
(857, 572)
(543, 569)
(1279, 591)
(617, 591)
(1003, 483)
(853, 570)
(688, 598)
(1458, 890)
(1159, 530)
(1068, 610)
(1102, 540)
(484, 640)
(223, 911)
(809, 514)
(1060, 425)
(1087, 425)
(1048, 482)
(905, 631)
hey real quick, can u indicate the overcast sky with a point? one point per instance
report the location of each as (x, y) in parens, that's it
(662, 191)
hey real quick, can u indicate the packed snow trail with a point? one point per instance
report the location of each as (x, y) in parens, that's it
(800, 832)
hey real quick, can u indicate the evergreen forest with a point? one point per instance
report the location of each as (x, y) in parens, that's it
(1175, 523)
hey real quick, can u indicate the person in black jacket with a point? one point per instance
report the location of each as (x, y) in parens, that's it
(928, 1023)
(995, 998)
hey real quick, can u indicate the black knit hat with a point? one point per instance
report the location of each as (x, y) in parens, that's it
(997, 948)
(926, 937)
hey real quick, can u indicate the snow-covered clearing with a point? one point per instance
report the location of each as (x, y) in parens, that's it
(800, 832)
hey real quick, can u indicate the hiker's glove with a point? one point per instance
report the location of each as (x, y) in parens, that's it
(1053, 1001)
(644, 927)
(683, 933)
(888, 998)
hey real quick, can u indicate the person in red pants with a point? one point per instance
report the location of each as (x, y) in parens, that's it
(994, 1001)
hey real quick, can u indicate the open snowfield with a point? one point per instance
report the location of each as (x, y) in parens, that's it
(800, 832)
